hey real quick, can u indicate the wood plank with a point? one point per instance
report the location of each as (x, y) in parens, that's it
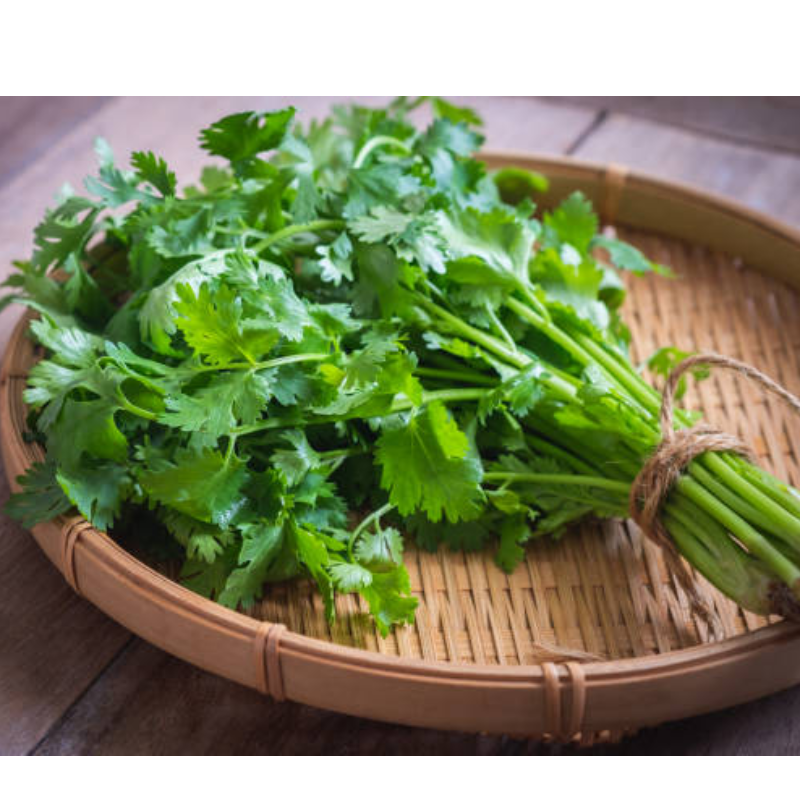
(764, 122)
(149, 703)
(29, 125)
(53, 643)
(765, 181)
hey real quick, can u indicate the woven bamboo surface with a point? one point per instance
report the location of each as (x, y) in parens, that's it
(601, 589)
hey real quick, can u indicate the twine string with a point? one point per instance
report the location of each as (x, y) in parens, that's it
(677, 449)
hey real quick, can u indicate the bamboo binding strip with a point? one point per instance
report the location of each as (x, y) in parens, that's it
(498, 653)
(269, 677)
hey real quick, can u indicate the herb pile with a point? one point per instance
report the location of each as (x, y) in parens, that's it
(346, 334)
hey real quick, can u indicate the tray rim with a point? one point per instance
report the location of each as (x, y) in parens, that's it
(513, 700)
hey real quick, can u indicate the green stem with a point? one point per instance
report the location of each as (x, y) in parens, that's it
(455, 375)
(492, 344)
(126, 405)
(592, 482)
(442, 395)
(364, 524)
(635, 386)
(294, 230)
(561, 387)
(271, 364)
(788, 572)
(550, 449)
(378, 141)
(500, 328)
(785, 524)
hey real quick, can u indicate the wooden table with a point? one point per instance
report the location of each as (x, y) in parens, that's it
(72, 681)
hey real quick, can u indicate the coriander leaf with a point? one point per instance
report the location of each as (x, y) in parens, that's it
(389, 599)
(427, 464)
(63, 232)
(153, 170)
(40, 498)
(203, 485)
(239, 137)
(87, 426)
(298, 461)
(382, 184)
(157, 314)
(456, 137)
(335, 260)
(300, 160)
(314, 556)
(71, 346)
(97, 494)
(446, 110)
(244, 585)
(349, 577)
(207, 579)
(513, 533)
(380, 551)
(498, 238)
(574, 222)
(626, 256)
(229, 399)
(178, 237)
(211, 323)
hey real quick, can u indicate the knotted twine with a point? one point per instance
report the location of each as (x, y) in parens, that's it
(677, 449)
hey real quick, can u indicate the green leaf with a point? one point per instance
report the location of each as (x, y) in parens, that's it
(314, 555)
(502, 241)
(574, 222)
(70, 345)
(389, 598)
(626, 256)
(442, 108)
(87, 426)
(335, 260)
(260, 546)
(380, 551)
(40, 498)
(63, 232)
(514, 532)
(516, 184)
(230, 399)
(381, 184)
(203, 485)
(211, 323)
(97, 494)
(298, 461)
(350, 577)
(243, 136)
(157, 314)
(427, 464)
(153, 170)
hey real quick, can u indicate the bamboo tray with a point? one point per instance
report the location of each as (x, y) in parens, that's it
(507, 654)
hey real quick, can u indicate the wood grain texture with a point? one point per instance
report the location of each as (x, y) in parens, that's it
(29, 125)
(763, 122)
(52, 643)
(762, 180)
(149, 703)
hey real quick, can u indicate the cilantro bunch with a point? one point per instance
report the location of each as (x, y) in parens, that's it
(346, 334)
